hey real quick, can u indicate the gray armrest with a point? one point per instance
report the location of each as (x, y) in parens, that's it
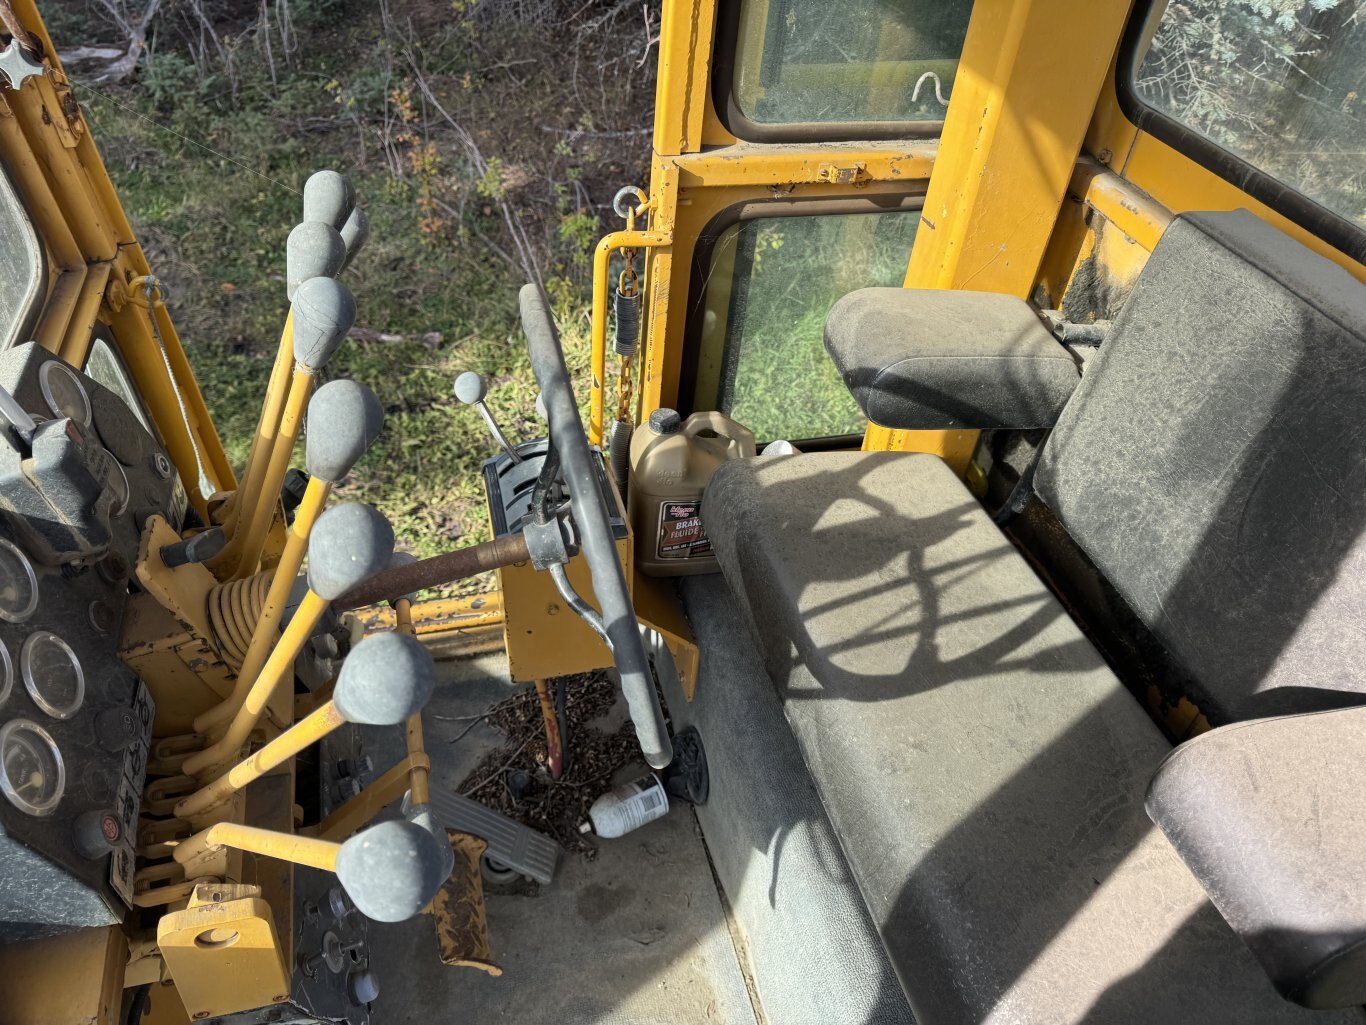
(1270, 816)
(923, 359)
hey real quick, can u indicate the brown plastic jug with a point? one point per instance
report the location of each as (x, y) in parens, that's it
(671, 461)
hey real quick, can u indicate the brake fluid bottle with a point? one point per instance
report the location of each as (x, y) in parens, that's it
(671, 462)
(627, 807)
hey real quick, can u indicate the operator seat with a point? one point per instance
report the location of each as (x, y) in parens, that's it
(982, 768)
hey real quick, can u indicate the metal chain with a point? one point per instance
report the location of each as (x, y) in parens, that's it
(628, 284)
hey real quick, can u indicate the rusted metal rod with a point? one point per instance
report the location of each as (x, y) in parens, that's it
(438, 570)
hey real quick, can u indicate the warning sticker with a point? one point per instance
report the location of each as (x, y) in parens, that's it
(681, 535)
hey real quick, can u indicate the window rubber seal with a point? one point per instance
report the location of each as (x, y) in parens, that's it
(746, 129)
(1315, 218)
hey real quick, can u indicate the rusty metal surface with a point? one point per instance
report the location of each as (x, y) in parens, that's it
(438, 570)
(462, 931)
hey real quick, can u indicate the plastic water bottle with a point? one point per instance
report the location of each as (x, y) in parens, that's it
(627, 807)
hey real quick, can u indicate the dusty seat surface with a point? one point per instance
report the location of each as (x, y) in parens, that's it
(1270, 815)
(928, 359)
(982, 768)
(1212, 465)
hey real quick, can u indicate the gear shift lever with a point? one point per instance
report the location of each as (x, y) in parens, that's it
(470, 388)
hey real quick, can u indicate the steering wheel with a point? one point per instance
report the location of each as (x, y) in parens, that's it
(589, 510)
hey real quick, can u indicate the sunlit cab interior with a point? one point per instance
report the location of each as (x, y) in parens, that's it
(965, 502)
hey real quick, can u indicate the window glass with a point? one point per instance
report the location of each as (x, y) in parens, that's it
(812, 61)
(1279, 83)
(21, 265)
(771, 283)
(103, 366)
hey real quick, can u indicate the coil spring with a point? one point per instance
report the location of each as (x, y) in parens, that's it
(627, 309)
(234, 610)
(619, 447)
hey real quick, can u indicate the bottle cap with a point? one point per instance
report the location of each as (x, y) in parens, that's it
(665, 421)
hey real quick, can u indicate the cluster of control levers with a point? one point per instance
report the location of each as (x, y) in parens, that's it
(191, 811)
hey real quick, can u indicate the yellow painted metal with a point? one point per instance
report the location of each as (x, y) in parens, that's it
(682, 93)
(302, 735)
(543, 637)
(1176, 182)
(75, 341)
(1010, 141)
(439, 615)
(72, 979)
(1120, 202)
(266, 630)
(381, 793)
(754, 164)
(291, 847)
(266, 428)
(601, 259)
(167, 637)
(223, 951)
(418, 777)
(258, 507)
(657, 607)
(94, 258)
(279, 667)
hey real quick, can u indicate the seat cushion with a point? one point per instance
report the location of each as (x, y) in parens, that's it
(1270, 815)
(815, 954)
(1212, 465)
(983, 769)
(924, 359)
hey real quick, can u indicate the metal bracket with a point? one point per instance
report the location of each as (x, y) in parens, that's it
(17, 65)
(548, 543)
(855, 174)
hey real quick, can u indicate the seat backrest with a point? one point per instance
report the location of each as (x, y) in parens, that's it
(1212, 464)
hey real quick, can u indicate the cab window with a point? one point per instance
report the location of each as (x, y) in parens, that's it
(1276, 84)
(21, 266)
(815, 63)
(769, 285)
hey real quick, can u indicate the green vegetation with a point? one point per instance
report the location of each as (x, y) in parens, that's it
(785, 385)
(1275, 82)
(485, 145)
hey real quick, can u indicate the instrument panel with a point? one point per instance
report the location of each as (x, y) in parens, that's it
(75, 723)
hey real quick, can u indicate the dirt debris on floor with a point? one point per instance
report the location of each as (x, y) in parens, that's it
(555, 807)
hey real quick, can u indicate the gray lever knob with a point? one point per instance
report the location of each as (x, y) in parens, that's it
(323, 313)
(344, 419)
(470, 388)
(328, 198)
(354, 233)
(349, 542)
(386, 679)
(313, 250)
(392, 870)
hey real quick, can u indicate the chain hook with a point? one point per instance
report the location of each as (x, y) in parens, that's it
(618, 202)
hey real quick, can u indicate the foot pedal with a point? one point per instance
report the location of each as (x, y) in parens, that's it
(511, 844)
(462, 929)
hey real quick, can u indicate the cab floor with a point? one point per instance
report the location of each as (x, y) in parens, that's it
(638, 935)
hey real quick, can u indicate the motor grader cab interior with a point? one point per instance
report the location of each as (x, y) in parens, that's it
(1029, 686)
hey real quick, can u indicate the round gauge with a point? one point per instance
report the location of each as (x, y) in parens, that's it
(118, 483)
(63, 392)
(32, 775)
(52, 674)
(7, 669)
(18, 584)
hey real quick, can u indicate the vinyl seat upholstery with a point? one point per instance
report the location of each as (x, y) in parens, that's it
(982, 768)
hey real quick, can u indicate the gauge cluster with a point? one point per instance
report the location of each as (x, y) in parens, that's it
(75, 724)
